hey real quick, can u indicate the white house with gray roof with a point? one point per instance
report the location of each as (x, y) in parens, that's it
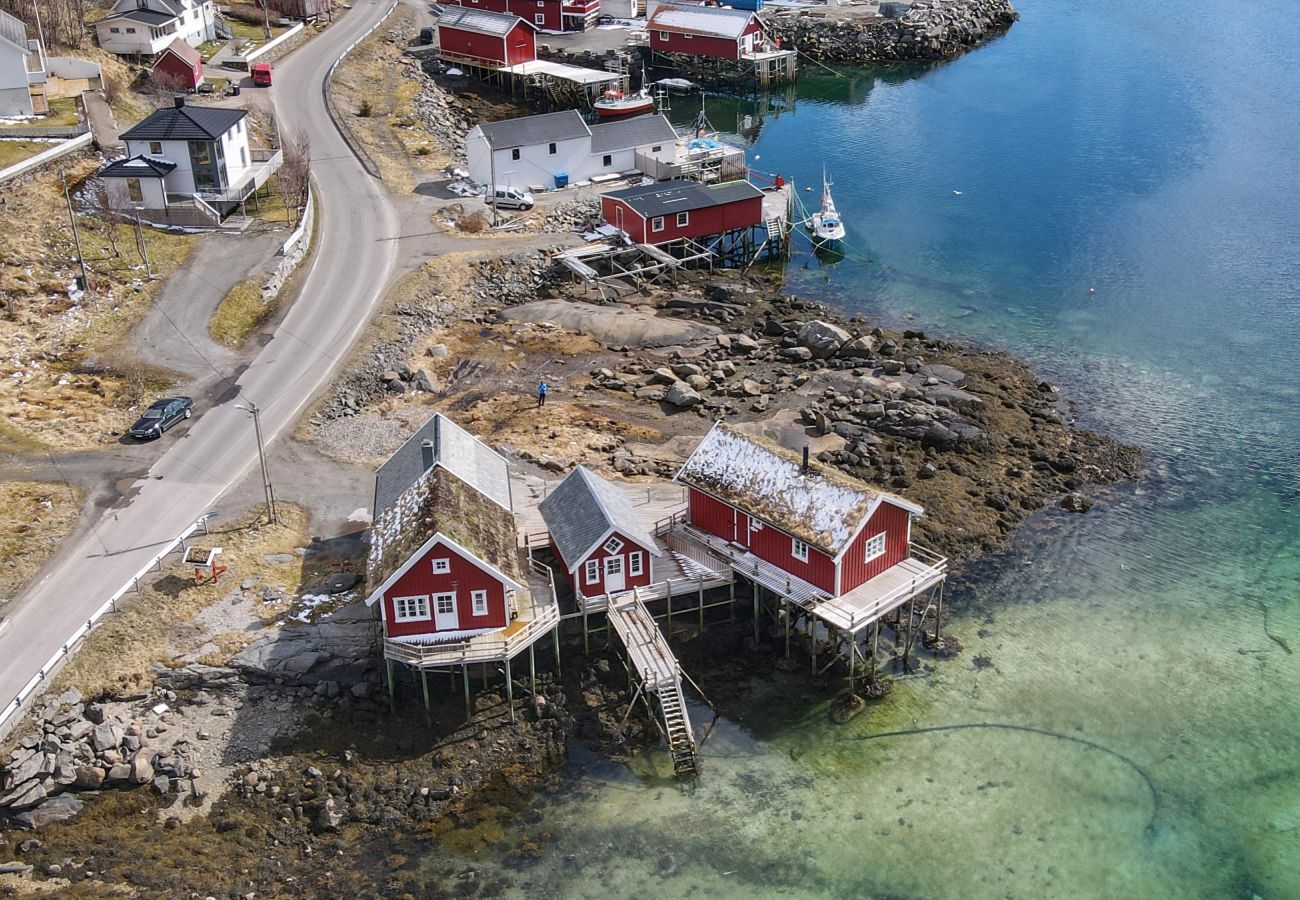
(22, 70)
(532, 150)
(147, 27)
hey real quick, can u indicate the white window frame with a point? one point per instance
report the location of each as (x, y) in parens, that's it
(664, 36)
(799, 549)
(592, 572)
(657, 223)
(406, 611)
(634, 564)
(478, 603)
(155, 148)
(613, 545)
(876, 547)
(539, 19)
(755, 525)
(607, 160)
(683, 219)
(442, 565)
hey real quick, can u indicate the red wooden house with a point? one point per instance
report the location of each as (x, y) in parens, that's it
(546, 15)
(657, 213)
(811, 521)
(486, 39)
(597, 536)
(705, 31)
(444, 564)
(180, 65)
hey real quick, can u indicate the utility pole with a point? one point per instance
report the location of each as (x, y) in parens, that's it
(261, 455)
(40, 32)
(492, 188)
(266, 18)
(76, 235)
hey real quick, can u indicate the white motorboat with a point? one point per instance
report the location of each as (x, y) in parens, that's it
(827, 226)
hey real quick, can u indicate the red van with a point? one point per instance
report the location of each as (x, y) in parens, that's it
(261, 75)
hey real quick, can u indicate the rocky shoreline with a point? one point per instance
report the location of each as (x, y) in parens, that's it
(927, 31)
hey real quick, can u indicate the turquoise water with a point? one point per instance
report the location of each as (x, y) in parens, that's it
(1127, 219)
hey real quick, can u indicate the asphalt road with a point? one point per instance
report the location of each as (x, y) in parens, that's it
(352, 267)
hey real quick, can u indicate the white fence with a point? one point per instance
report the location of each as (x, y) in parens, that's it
(45, 156)
(71, 644)
(243, 61)
(357, 150)
(292, 253)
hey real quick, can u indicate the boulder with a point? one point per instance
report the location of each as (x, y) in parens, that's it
(328, 818)
(743, 344)
(56, 809)
(14, 868)
(88, 778)
(952, 397)
(29, 768)
(118, 774)
(423, 381)
(683, 395)
(750, 388)
(1076, 502)
(822, 338)
(142, 766)
(106, 736)
(859, 348)
(797, 354)
(25, 795)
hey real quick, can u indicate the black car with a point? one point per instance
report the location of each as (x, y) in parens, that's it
(161, 416)
(426, 35)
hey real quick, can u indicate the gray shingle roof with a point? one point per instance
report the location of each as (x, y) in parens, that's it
(13, 31)
(186, 53)
(531, 130)
(147, 16)
(635, 132)
(185, 123)
(666, 197)
(480, 20)
(456, 450)
(583, 509)
(710, 20)
(139, 166)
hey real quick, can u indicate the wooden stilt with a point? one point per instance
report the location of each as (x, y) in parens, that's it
(555, 639)
(469, 707)
(424, 686)
(853, 652)
(392, 687)
(701, 594)
(756, 589)
(812, 643)
(586, 643)
(938, 615)
(731, 597)
(483, 670)
(875, 648)
(510, 690)
(532, 669)
(670, 608)
(785, 608)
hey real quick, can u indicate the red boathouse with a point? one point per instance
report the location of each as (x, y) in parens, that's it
(705, 31)
(181, 66)
(668, 211)
(485, 39)
(545, 15)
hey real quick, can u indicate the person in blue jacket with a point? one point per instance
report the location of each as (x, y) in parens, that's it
(542, 390)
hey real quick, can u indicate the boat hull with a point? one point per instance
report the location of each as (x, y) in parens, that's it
(610, 111)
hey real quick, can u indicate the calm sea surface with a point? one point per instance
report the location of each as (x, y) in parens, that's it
(1129, 220)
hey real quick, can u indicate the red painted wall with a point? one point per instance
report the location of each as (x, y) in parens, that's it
(550, 10)
(892, 520)
(175, 67)
(695, 45)
(518, 46)
(464, 577)
(768, 543)
(580, 585)
(701, 222)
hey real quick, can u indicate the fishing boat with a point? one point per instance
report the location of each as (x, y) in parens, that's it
(827, 226)
(614, 103)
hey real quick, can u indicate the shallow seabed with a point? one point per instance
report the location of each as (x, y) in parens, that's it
(1111, 191)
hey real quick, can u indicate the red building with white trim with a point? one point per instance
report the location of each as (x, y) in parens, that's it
(546, 15)
(705, 31)
(668, 211)
(597, 536)
(181, 65)
(483, 38)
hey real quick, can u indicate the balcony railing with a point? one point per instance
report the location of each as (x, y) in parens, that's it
(484, 648)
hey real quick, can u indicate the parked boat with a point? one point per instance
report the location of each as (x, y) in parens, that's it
(827, 226)
(677, 84)
(612, 104)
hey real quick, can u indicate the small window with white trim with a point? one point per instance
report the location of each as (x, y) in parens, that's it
(876, 547)
(155, 147)
(657, 223)
(613, 545)
(478, 599)
(410, 609)
(663, 35)
(635, 563)
(593, 571)
(607, 160)
(683, 219)
(540, 19)
(441, 566)
(799, 549)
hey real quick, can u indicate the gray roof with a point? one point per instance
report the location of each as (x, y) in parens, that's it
(147, 16)
(638, 131)
(583, 509)
(480, 20)
(185, 123)
(454, 449)
(531, 130)
(122, 6)
(682, 196)
(710, 20)
(13, 31)
(140, 166)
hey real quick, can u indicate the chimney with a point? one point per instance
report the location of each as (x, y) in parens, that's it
(426, 454)
(805, 459)
(179, 100)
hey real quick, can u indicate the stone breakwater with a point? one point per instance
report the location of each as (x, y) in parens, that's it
(928, 31)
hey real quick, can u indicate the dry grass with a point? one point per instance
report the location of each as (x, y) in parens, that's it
(37, 517)
(393, 134)
(12, 152)
(241, 313)
(66, 382)
(157, 624)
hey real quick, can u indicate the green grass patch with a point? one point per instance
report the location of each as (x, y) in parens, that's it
(209, 49)
(16, 151)
(63, 113)
(240, 314)
(254, 33)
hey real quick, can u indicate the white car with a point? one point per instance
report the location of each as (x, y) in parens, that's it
(510, 198)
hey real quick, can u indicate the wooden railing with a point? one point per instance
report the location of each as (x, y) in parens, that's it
(936, 568)
(485, 648)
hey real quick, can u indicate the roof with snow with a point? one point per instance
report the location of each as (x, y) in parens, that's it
(710, 20)
(185, 123)
(583, 510)
(454, 448)
(140, 166)
(824, 506)
(480, 20)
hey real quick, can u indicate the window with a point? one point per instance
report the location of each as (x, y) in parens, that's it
(799, 549)
(410, 609)
(479, 601)
(243, 156)
(607, 160)
(133, 190)
(445, 604)
(514, 154)
(657, 223)
(755, 525)
(540, 19)
(593, 571)
(663, 35)
(634, 562)
(115, 30)
(155, 147)
(688, 36)
(551, 149)
(130, 31)
(656, 148)
(613, 545)
(442, 566)
(683, 219)
(876, 547)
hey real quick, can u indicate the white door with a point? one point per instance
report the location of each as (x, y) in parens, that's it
(444, 612)
(613, 574)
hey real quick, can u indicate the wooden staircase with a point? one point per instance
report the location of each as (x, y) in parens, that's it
(677, 726)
